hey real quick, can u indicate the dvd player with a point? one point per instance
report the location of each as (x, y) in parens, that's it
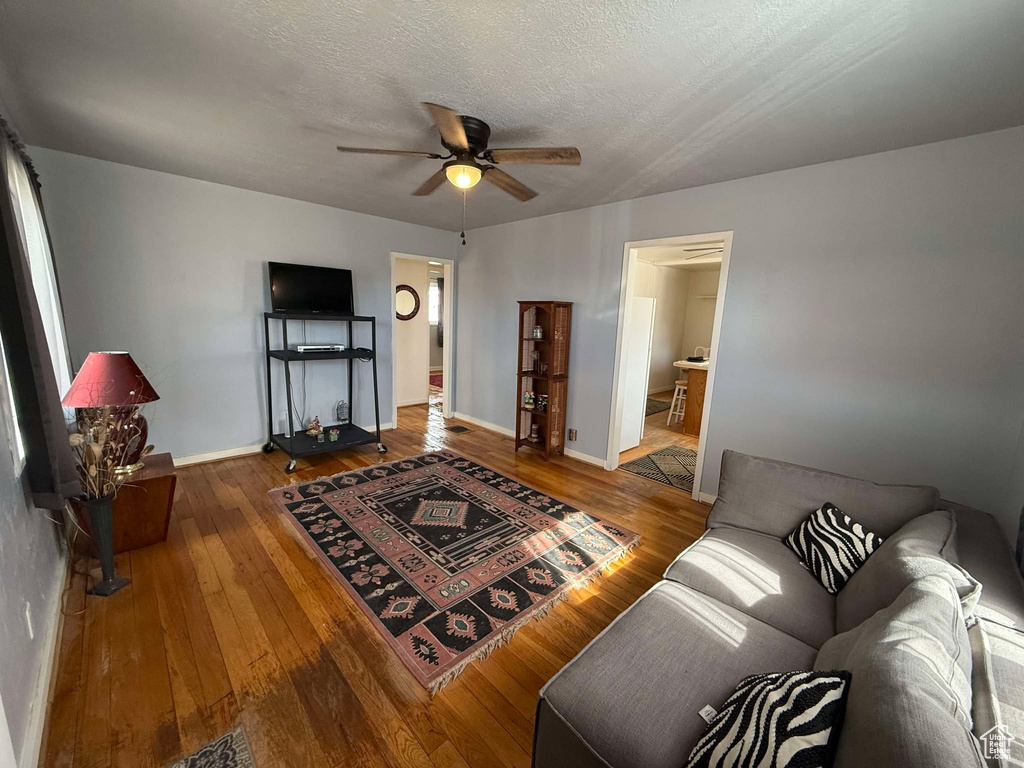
(318, 347)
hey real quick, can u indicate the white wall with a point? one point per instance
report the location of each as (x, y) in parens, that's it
(174, 271)
(669, 287)
(700, 310)
(872, 326)
(412, 337)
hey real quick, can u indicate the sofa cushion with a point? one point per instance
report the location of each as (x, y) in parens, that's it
(759, 575)
(997, 674)
(776, 719)
(832, 546)
(910, 699)
(773, 497)
(983, 550)
(925, 545)
(633, 695)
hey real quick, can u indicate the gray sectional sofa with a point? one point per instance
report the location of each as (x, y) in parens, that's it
(739, 602)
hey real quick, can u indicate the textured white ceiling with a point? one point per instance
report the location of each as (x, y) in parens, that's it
(657, 94)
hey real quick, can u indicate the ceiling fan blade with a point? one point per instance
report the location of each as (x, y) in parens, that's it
(398, 152)
(504, 182)
(431, 184)
(536, 155)
(449, 124)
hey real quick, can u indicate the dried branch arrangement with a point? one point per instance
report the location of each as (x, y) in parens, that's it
(105, 438)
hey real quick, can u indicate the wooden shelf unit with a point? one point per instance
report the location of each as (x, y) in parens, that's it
(552, 354)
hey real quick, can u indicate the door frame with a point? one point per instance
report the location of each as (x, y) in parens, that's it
(447, 356)
(626, 287)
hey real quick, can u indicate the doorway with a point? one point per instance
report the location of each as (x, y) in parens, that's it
(422, 335)
(671, 300)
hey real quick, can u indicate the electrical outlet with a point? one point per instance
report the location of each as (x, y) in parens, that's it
(572, 435)
(28, 620)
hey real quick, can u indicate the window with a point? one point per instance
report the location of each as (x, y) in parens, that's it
(13, 426)
(433, 303)
(44, 279)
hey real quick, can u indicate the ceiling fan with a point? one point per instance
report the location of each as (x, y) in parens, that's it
(469, 159)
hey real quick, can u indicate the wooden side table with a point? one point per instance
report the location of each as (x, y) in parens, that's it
(142, 508)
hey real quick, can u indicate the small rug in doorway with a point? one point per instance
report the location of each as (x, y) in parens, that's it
(436, 380)
(446, 557)
(656, 406)
(671, 466)
(229, 751)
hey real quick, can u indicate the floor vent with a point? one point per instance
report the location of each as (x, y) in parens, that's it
(458, 429)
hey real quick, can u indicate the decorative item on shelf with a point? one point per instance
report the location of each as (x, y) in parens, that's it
(315, 427)
(341, 411)
(534, 433)
(320, 436)
(528, 401)
(333, 436)
(542, 403)
(543, 369)
(108, 392)
(538, 332)
(535, 357)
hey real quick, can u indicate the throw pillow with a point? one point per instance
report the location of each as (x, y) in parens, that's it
(780, 719)
(832, 546)
(910, 704)
(925, 545)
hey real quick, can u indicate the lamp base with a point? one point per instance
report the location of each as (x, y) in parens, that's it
(129, 469)
(107, 587)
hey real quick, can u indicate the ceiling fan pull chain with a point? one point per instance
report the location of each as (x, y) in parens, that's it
(462, 234)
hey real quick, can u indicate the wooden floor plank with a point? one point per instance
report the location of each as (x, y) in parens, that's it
(235, 620)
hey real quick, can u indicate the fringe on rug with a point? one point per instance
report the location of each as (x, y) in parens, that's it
(510, 629)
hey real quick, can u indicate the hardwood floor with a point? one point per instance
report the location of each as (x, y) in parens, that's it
(232, 620)
(658, 435)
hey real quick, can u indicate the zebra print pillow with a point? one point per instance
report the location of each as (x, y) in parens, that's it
(832, 546)
(784, 719)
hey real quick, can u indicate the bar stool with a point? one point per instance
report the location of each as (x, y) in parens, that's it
(678, 402)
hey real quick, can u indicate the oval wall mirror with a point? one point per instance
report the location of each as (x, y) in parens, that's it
(407, 302)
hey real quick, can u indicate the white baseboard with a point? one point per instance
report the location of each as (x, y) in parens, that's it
(485, 424)
(417, 401)
(246, 450)
(707, 498)
(200, 458)
(656, 390)
(580, 456)
(573, 454)
(32, 744)
(438, 368)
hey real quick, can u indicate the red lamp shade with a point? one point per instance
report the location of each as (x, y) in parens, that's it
(109, 378)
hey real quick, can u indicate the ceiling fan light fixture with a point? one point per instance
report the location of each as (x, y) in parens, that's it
(463, 175)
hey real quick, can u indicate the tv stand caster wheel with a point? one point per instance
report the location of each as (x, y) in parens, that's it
(289, 467)
(268, 447)
(381, 448)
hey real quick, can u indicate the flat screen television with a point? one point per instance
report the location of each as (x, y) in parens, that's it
(299, 288)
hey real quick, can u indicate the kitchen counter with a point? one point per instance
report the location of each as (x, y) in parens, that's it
(692, 366)
(696, 383)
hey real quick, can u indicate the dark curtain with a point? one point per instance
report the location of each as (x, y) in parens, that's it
(50, 466)
(440, 311)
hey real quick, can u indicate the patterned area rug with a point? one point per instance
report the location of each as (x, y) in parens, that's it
(229, 751)
(671, 466)
(447, 557)
(437, 379)
(656, 406)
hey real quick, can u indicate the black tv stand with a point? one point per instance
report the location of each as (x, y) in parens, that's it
(350, 435)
